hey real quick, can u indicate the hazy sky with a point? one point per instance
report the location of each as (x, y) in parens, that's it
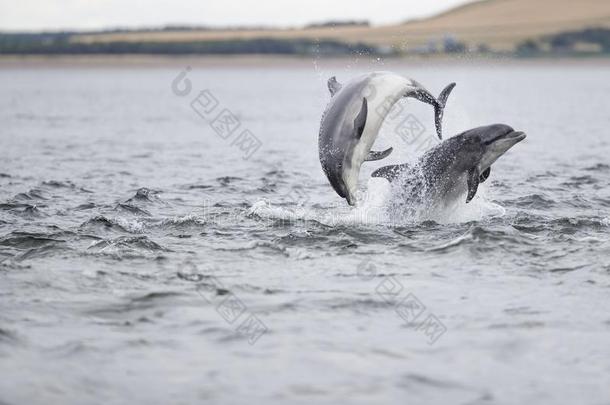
(95, 14)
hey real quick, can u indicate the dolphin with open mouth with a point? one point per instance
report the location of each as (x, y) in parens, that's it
(351, 122)
(455, 168)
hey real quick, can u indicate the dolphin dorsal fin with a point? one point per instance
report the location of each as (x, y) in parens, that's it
(333, 86)
(360, 120)
(374, 155)
(390, 173)
(473, 183)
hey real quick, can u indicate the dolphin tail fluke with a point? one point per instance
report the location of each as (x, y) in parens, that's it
(442, 98)
(439, 108)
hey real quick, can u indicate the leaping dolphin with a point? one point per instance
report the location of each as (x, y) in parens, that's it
(351, 122)
(456, 166)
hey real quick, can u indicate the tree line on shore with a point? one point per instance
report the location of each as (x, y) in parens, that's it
(62, 43)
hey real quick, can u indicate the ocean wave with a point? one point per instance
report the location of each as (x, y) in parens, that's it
(198, 187)
(101, 223)
(58, 184)
(186, 221)
(23, 210)
(604, 202)
(86, 206)
(192, 277)
(131, 209)
(599, 167)
(33, 194)
(577, 181)
(155, 296)
(580, 223)
(276, 175)
(42, 251)
(534, 201)
(480, 238)
(141, 222)
(364, 305)
(126, 246)
(263, 209)
(28, 240)
(228, 180)
(144, 195)
(453, 243)
(67, 184)
(254, 245)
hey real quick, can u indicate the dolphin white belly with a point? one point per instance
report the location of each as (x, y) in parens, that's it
(384, 90)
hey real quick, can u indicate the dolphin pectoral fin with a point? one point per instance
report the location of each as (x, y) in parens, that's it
(360, 120)
(473, 183)
(485, 175)
(374, 155)
(390, 173)
(333, 86)
(439, 109)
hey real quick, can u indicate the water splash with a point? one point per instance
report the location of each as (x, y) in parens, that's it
(387, 205)
(409, 203)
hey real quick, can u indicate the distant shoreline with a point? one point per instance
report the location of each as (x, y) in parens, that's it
(160, 61)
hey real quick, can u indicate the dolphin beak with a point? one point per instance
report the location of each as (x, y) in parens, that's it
(500, 144)
(516, 136)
